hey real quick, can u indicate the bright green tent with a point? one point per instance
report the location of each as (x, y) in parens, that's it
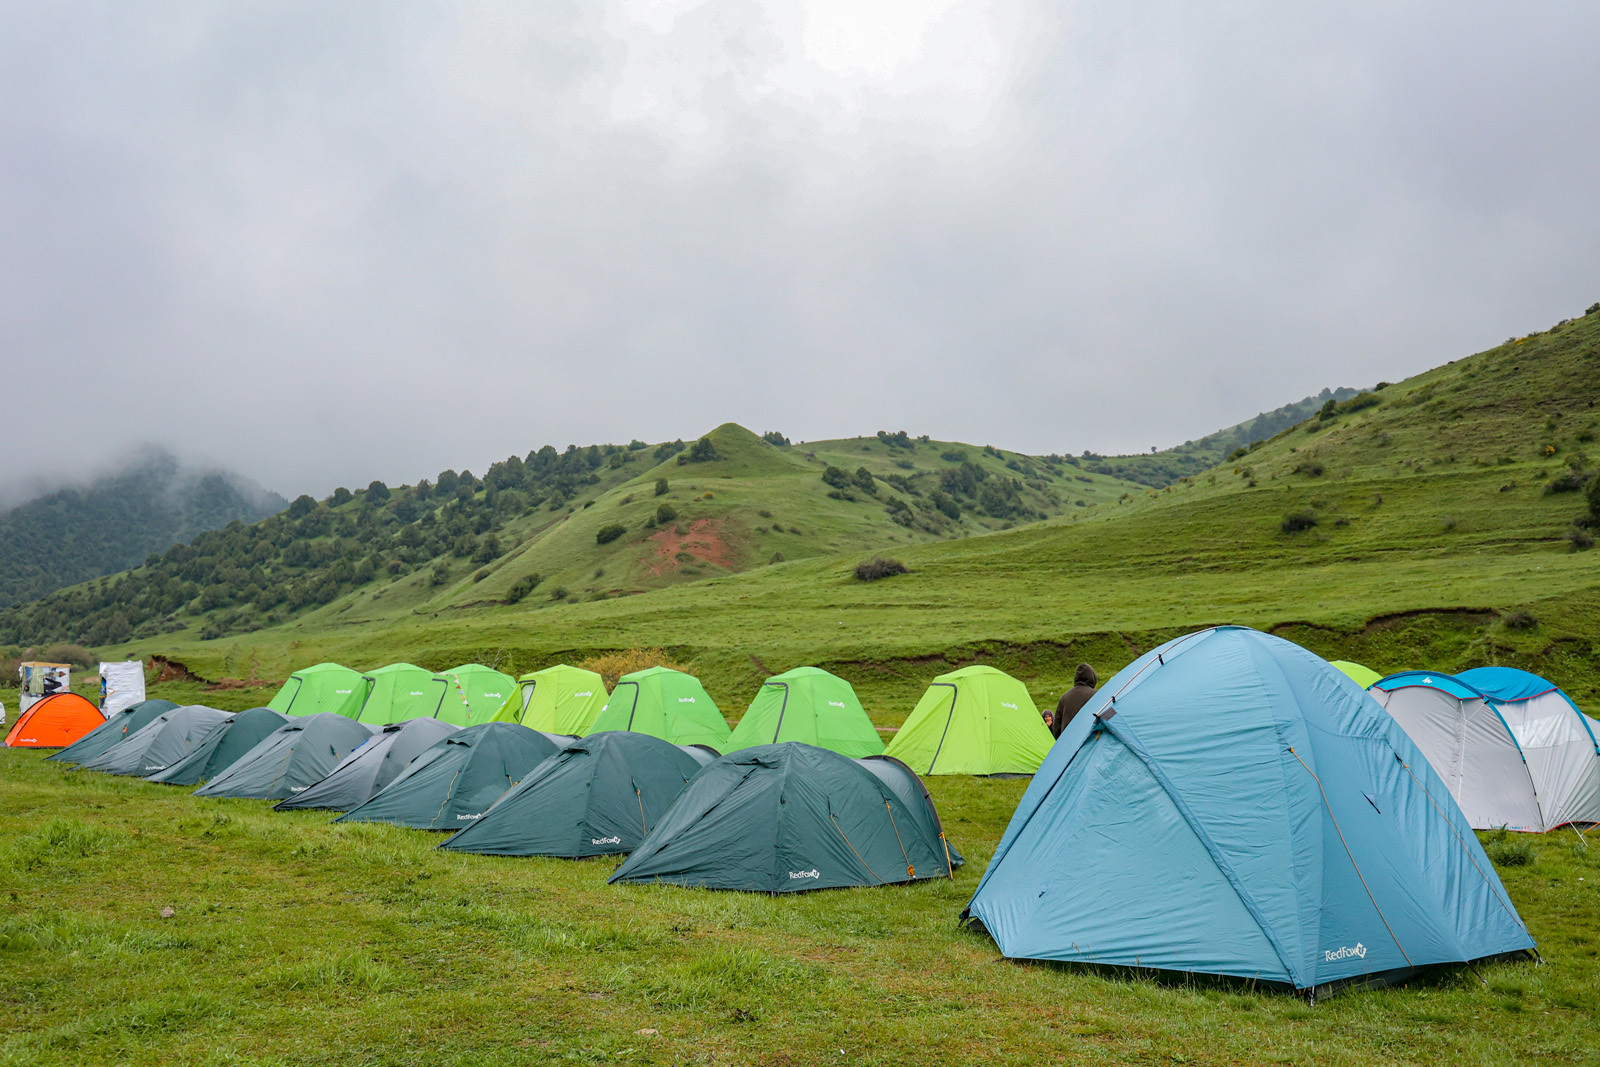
(325, 687)
(973, 721)
(1362, 676)
(402, 691)
(808, 704)
(559, 699)
(667, 704)
(475, 694)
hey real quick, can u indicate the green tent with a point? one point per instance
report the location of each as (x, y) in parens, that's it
(809, 705)
(667, 704)
(1362, 676)
(291, 758)
(402, 691)
(222, 747)
(788, 817)
(455, 781)
(122, 724)
(973, 721)
(597, 796)
(325, 687)
(474, 694)
(560, 699)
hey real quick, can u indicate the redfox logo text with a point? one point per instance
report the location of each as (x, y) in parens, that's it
(813, 873)
(605, 840)
(1357, 950)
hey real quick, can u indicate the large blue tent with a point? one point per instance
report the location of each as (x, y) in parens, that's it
(1231, 804)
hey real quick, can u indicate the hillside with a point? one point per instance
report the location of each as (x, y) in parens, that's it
(113, 522)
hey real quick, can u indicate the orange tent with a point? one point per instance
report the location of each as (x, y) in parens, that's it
(54, 722)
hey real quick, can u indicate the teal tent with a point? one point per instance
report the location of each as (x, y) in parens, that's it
(169, 738)
(130, 720)
(454, 782)
(789, 817)
(364, 772)
(598, 795)
(222, 746)
(300, 752)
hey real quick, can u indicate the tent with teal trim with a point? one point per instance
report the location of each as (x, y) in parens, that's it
(1557, 740)
(474, 694)
(664, 703)
(222, 747)
(121, 725)
(371, 766)
(171, 737)
(559, 699)
(1231, 804)
(328, 687)
(977, 720)
(289, 759)
(811, 706)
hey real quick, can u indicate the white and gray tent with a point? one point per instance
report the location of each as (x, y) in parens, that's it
(297, 754)
(169, 738)
(1469, 744)
(364, 772)
(1557, 740)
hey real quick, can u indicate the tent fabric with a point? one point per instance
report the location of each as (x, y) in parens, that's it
(1555, 738)
(112, 730)
(122, 685)
(456, 780)
(401, 691)
(559, 699)
(811, 706)
(977, 720)
(1362, 676)
(56, 721)
(223, 746)
(667, 704)
(1469, 744)
(789, 817)
(326, 687)
(474, 694)
(291, 758)
(366, 770)
(172, 736)
(1231, 804)
(597, 796)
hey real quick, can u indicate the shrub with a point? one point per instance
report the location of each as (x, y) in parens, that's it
(613, 665)
(777, 557)
(1311, 468)
(773, 437)
(1237, 453)
(377, 492)
(863, 479)
(1519, 620)
(488, 550)
(953, 456)
(1568, 481)
(1299, 521)
(440, 573)
(1579, 538)
(872, 569)
(76, 655)
(668, 450)
(1360, 402)
(666, 513)
(662, 487)
(836, 477)
(702, 451)
(480, 574)
(559, 593)
(609, 533)
(898, 439)
(1506, 849)
(522, 587)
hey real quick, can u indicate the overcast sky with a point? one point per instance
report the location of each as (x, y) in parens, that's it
(326, 242)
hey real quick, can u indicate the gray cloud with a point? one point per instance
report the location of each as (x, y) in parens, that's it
(321, 243)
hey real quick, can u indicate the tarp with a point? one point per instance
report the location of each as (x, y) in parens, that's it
(401, 691)
(292, 757)
(1555, 738)
(1469, 744)
(1231, 804)
(977, 720)
(171, 737)
(474, 694)
(454, 782)
(326, 687)
(667, 704)
(121, 685)
(366, 770)
(598, 795)
(811, 706)
(226, 743)
(790, 817)
(55, 721)
(559, 699)
(125, 722)
(1362, 676)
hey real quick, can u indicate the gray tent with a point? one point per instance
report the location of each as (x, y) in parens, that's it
(172, 736)
(371, 767)
(219, 749)
(122, 724)
(296, 755)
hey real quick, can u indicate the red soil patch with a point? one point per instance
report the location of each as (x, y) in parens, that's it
(703, 541)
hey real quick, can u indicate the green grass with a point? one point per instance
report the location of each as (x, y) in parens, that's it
(299, 941)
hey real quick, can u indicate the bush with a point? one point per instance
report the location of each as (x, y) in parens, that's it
(1506, 849)
(1568, 481)
(773, 437)
(440, 573)
(613, 665)
(377, 492)
(864, 480)
(480, 575)
(666, 513)
(1299, 521)
(559, 593)
(522, 587)
(488, 550)
(953, 456)
(76, 655)
(872, 569)
(609, 533)
(836, 477)
(668, 450)
(1520, 620)
(702, 451)
(662, 487)
(1579, 538)
(1311, 468)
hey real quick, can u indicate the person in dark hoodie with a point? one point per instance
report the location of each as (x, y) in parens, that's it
(1083, 682)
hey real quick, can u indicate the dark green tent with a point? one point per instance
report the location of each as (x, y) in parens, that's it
(597, 796)
(369, 768)
(172, 736)
(295, 755)
(455, 781)
(129, 720)
(222, 747)
(788, 817)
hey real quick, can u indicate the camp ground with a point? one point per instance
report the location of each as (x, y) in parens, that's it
(664, 703)
(169, 738)
(128, 721)
(558, 700)
(296, 755)
(808, 705)
(977, 720)
(366, 770)
(55, 721)
(326, 687)
(222, 746)
(1288, 831)
(474, 694)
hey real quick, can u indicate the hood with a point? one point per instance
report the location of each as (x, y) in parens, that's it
(1085, 676)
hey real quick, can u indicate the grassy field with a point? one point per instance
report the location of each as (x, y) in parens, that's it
(294, 940)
